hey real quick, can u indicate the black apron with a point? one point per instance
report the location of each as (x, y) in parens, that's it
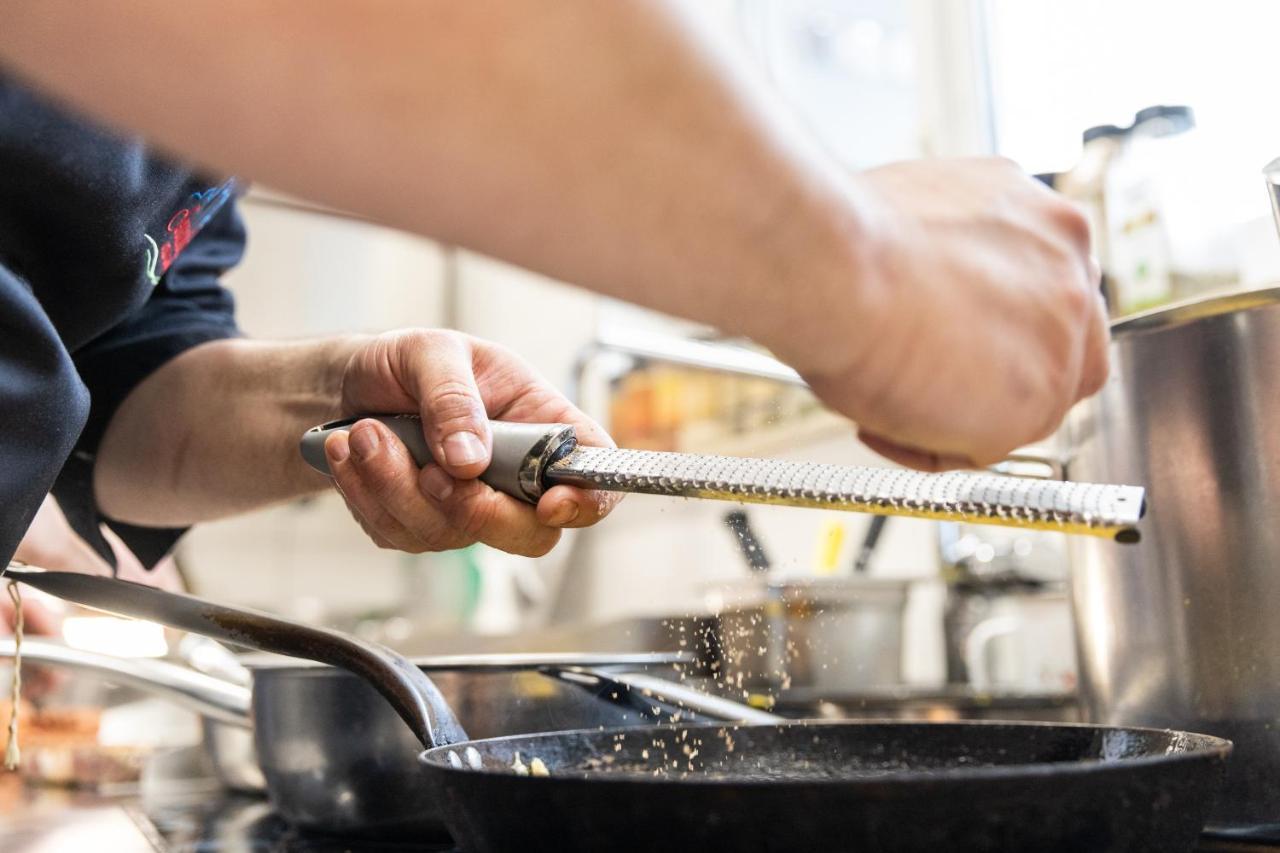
(105, 272)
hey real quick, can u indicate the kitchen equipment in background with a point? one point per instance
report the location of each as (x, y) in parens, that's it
(813, 637)
(529, 457)
(1272, 174)
(739, 523)
(1007, 619)
(817, 636)
(1022, 642)
(897, 787)
(869, 542)
(1180, 630)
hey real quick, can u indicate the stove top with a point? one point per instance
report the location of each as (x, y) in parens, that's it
(227, 823)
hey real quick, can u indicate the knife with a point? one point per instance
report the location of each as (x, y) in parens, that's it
(528, 459)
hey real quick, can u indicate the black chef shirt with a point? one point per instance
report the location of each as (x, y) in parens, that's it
(110, 258)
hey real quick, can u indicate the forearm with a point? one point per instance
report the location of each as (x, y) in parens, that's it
(607, 144)
(215, 431)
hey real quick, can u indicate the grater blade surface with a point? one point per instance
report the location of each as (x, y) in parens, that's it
(963, 496)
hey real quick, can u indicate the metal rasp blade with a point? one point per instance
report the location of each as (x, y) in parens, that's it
(980, 498)
(530, 458)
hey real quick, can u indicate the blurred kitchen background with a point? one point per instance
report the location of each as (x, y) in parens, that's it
(1177, 201)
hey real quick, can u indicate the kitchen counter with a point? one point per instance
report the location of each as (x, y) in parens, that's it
(50, 820)
(161, 815)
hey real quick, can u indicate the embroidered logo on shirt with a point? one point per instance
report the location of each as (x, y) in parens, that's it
(183, 227)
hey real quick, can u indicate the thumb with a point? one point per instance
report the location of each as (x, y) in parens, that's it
(454, 420)
(910, 457)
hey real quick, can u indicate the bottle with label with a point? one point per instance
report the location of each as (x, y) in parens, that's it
(1139, 188)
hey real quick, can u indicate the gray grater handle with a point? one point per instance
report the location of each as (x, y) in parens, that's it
(521, 452)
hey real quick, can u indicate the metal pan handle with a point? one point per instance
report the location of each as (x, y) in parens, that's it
(642, 689)
(414, 697)
(208, 696)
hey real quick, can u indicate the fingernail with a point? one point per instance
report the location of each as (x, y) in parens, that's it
(564, 514)
(364, 441)
(338, 448)
(464, 448)
(436, 483)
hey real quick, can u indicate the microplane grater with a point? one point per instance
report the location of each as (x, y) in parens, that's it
(964, 496)
(530, 458)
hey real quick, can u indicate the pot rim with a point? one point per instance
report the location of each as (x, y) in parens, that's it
(495, 663)
(1198, 308)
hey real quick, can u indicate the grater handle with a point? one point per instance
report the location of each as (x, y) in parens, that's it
(521, 452)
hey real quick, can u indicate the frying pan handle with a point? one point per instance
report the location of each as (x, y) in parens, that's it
(414, 697)
(521, 452)
(208, 696)
(642, 688)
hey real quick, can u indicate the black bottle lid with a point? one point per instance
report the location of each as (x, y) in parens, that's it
(1172, 119)
(1103, 131)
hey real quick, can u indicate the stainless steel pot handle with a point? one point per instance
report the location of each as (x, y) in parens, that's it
(977, 646)
(214, 659)
(662, 690)
(1023, 462)
(1272, 172)
(210, 697)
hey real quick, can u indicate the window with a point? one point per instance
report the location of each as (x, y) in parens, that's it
(1058, 68)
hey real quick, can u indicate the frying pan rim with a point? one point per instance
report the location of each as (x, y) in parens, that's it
(488, 663)
(1214, 748)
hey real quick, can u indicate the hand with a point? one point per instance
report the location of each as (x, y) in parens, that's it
(457, 383)
(977, 323)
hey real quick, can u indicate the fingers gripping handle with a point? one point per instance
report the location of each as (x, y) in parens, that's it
(521, 452)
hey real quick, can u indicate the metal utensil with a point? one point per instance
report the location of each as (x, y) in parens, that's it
(529, 458)
(840, 787)
(739, 523)
(869, 542)
(1272, 173)
(411, 693)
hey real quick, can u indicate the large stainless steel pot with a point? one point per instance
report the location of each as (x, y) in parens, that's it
(1181, 629)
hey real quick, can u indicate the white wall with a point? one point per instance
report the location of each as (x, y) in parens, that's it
(305, 275)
